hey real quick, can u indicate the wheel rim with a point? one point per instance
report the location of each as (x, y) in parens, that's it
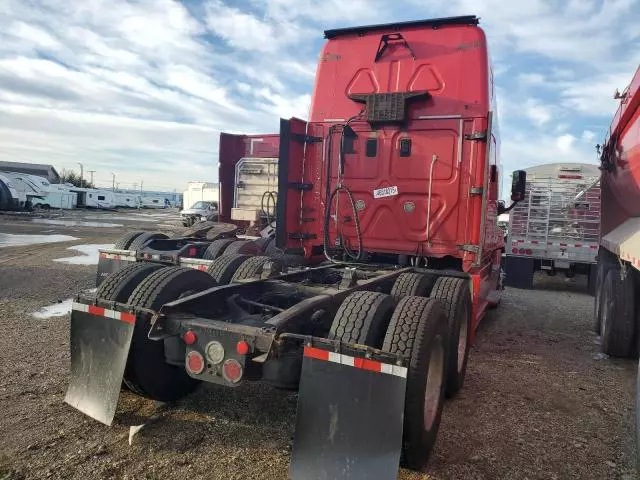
(462, 341)
(435, 377)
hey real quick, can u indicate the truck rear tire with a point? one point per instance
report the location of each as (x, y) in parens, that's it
(244, 247)
(456, 298)
(363, 318)
(217, 248)
(519, 272)
(123, 242)
(411, 285)
(418, 330)
(252, 268)
(606, 261)
(224, 267)
(618, 315)
(119, 286)
(147, 373)
(141, 240)
(262, 243)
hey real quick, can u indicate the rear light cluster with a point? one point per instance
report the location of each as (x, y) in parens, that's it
(215, 353)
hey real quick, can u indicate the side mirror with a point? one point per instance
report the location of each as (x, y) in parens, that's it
(501, 207)
(518, 185)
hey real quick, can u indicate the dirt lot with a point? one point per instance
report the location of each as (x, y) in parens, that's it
(539, 401)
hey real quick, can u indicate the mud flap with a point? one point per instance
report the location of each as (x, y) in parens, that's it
(349, 420)
(100, 341)
(112, 262)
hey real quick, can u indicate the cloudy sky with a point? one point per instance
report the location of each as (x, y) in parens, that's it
(141, 88)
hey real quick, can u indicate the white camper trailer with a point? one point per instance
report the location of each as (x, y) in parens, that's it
(58, 196)
(128, 200)
(154, 202)
(26, 188)
(94, 198)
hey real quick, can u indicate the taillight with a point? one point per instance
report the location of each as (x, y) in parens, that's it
(514, 250)
(242, 347)
(529, 251)
(232, 371)
(195, 362)
(214, 352)
(189, 338)
(192, 252)
(521, 251)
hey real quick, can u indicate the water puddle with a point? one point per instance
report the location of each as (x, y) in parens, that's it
(15, 240)
(90, 254)
(76, 223)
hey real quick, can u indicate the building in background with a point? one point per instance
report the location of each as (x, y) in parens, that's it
(45, 171)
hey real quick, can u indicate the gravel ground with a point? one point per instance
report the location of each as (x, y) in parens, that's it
(539, 401)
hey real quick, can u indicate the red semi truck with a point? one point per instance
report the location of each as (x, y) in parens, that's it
(390, 194)
(617, 300)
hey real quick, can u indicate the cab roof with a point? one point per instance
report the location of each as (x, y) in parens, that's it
(433, 22)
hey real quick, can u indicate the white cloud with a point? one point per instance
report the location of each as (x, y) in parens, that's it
(588, 136)
(565, 142)
(538, 113)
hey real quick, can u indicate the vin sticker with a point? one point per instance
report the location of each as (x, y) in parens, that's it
(385, 192)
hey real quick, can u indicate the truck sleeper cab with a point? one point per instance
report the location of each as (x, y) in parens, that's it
(390, 194)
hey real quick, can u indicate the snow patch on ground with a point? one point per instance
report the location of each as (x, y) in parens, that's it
(90, 254)
(76, 223)
(14, 240)
(58, 309)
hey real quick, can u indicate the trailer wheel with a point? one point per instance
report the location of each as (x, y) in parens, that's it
(141, 240)
(411, 284)
(224, 267)
(519, 272)
(418, 330)
(456, 298)
(618, 314)
(217, 248)
(288, 260)
(147, 373)
(123, 242)
(363, 318)
(119, 286)
(252, 268)
(244, 247)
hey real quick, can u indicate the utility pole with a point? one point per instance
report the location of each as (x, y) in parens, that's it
(91, 172)
(113, 181)
(141, 186)
(81, 173)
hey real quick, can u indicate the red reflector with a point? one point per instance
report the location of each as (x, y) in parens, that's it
(195, 362)
(242, 347)
(189, 337)
(514, 250)
(192, 252)
(232, 371)
(521, 251)
(529, 251)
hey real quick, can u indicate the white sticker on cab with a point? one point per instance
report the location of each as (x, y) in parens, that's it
(385, 192)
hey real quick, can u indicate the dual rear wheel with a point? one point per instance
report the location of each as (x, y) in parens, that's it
(433, 333)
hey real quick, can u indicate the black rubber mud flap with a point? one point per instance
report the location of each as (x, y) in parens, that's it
(349, 419)
(100, 341)
(112, 262)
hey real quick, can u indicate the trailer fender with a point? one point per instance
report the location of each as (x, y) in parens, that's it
(111, 261)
